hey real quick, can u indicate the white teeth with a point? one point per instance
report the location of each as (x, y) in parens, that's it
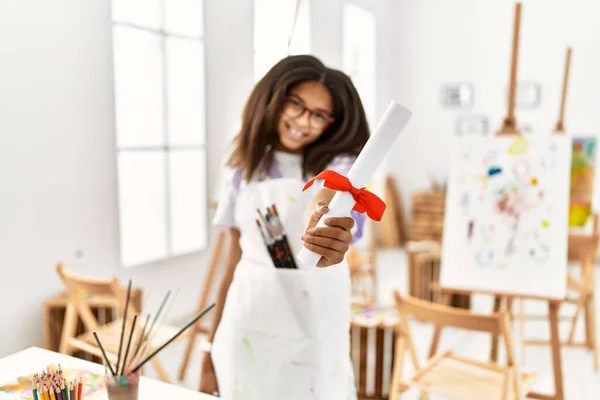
(296, 133)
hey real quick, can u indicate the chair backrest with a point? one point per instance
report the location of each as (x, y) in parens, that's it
(80, 289)
(448, 316)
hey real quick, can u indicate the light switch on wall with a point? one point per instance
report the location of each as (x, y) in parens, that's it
(457, 95)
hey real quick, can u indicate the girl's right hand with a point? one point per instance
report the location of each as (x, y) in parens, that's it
(208, 378)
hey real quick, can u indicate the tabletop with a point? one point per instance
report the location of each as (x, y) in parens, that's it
(35, 360)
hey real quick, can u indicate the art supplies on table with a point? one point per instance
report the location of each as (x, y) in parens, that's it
(52, 384)
(275, 239)
(122, 382)
(87, 385)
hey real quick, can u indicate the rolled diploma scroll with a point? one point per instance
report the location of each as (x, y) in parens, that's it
(379, 144)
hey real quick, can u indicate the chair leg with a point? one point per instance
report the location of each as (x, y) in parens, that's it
(69, 330)
(395, 385)
(160, 370)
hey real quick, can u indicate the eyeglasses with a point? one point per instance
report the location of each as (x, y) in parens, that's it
(317, 119)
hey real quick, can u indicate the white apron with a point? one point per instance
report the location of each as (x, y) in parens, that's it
(284, 333)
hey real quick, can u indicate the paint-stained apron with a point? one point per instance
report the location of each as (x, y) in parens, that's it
(284, 333)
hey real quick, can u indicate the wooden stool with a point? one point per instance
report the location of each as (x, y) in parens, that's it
(372, 334)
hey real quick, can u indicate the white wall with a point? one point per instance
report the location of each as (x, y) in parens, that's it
(436, 42)
(57, 161)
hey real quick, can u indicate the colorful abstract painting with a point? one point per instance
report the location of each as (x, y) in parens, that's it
(506, 222)
(94, 387)
(583, 166)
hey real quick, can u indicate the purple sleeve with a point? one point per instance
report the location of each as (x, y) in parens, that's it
(227, 199)
(342, 165)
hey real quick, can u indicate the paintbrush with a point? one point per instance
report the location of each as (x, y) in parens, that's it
(186, 326)
(124, 324)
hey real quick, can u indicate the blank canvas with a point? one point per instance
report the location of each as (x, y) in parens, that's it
(507, 214)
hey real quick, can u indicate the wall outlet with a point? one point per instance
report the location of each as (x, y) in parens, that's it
(472, 124)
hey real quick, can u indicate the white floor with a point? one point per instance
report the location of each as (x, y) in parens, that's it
(580, 380)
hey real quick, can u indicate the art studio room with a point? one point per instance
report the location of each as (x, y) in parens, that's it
(299, 199)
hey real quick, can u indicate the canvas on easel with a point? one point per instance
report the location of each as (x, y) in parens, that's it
(506, 223)
(583, 199)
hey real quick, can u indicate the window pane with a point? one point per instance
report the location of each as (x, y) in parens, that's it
(300, 43)
(359, 55)
(188, 201)
(367, 91)
(138, 12)
(184, 17)
(185, 80)
(271, 35)
(138, 87)
(359, 49)
(142, 206)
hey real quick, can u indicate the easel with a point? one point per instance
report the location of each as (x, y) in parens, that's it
(506, 300)
(216, 256)
(582, 248)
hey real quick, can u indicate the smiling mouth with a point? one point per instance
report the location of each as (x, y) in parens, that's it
(296, 134)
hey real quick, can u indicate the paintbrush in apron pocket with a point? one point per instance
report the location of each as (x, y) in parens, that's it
(273, 215)
(273, 235)
(270, 244)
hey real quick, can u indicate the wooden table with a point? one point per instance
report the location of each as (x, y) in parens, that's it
(35, 359)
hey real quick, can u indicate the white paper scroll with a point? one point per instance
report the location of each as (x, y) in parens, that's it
(379, 144)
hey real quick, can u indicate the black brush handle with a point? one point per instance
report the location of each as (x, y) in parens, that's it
(288, 250)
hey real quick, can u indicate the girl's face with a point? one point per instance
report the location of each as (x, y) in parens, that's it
(306, 115)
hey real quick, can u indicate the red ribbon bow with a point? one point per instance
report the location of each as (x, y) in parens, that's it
(365, 200)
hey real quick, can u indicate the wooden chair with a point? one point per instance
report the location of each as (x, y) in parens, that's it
(448, 374)
(84, 290)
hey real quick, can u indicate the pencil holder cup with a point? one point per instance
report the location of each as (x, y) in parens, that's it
(123, 387)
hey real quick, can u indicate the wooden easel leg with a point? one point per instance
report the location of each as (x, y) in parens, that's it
(208, 285)
(495, 338)
(555, 347)
(522, 329)
(578, 308)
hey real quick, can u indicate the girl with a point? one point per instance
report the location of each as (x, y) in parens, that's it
(284, 333)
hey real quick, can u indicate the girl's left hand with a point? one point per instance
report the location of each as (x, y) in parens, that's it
(331, 241)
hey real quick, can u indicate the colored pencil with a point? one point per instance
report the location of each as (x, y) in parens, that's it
(123, 326)
(71, 392)
(79, 389)
(186, 326)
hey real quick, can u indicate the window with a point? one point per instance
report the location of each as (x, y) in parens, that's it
(275, 22)
(160, 130)
(359, 53)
